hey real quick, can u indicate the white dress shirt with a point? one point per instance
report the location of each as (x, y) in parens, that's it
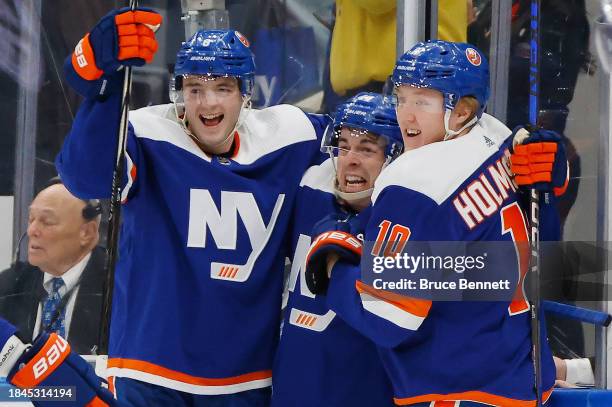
(70, 277)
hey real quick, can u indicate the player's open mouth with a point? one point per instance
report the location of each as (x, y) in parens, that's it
(354, 181)
(211, 120)
(412, 132)
(34, 247)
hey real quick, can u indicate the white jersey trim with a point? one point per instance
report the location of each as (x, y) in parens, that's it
(159, 123)
(271, 129)
(263, 132)
(390, 312)
(320, 177)
(186, 387)
(438, 169)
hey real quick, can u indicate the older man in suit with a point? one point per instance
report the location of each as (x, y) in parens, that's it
(60, 288)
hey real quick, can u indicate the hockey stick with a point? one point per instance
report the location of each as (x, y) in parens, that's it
(115, 208)
(577, 313)
(534, 199)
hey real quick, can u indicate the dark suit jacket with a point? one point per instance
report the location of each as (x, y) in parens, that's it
(21, 290)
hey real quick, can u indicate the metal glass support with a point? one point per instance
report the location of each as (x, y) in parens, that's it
(433, 19)
(603, 343)
(204, 14)
(410, 24)
(27, 116)
(499, 57)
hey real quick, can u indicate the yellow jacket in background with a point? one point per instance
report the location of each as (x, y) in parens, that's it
(364, 39)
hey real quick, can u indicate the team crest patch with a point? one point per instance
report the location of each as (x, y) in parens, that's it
(473, 56)
(243, 39)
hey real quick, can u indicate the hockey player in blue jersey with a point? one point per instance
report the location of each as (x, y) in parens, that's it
(315, 348)
(207, 199)
(453, 183)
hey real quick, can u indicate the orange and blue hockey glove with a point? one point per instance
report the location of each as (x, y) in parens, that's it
(121, 38)
(337, 233)
(538, 160)
(49, 362)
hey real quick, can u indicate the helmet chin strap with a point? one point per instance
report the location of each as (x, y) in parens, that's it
(452, 133)
(245, 109)
(352, 197)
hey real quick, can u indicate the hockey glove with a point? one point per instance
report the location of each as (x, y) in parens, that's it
(538, 160)
(121, 38)
(50, 362)
(333, 235)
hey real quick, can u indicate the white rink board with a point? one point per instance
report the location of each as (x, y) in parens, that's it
(6, 231)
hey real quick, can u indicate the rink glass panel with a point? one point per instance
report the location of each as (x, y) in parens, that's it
(570, 103)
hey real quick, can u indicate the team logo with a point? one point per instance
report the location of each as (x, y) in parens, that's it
(473, 56)
(243, 39)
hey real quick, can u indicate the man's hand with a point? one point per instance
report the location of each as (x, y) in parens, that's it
(538, 160)
(49, 361)
(336, 237)
(121, 38)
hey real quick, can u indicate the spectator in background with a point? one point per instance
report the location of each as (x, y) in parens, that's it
(363, 43)
(60, 288)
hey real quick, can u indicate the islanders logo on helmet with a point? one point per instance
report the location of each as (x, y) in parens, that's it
(454, 69)
(216, 53)
(243, 39)
(473, 56)
(369, 112)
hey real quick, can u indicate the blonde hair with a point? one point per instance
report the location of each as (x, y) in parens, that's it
(471, 103)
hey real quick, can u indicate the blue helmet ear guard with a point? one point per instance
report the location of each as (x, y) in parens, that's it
(223, 53)
(454, 69)
(369, 112)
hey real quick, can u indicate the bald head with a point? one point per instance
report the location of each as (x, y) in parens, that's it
(59, 236)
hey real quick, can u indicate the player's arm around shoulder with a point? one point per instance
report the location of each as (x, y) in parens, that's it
(388, 318)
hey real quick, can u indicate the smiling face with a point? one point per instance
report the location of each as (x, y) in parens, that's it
(361, 156)
(420, 114)
(212, 108)
(58, 234)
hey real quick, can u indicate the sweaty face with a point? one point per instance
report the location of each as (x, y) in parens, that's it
(420, 114)
(55, 230)
(212, 107)
(361, 156)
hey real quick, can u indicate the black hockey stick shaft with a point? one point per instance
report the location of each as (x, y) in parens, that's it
(534, 200)
(115, 209)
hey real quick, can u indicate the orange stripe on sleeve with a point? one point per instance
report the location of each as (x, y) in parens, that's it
(415, 306)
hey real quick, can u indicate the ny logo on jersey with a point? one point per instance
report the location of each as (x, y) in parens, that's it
(298, 317)
(223, 226)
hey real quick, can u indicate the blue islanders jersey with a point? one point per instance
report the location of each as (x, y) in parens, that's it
(456, 190)
(321, 361)
(199, 279)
